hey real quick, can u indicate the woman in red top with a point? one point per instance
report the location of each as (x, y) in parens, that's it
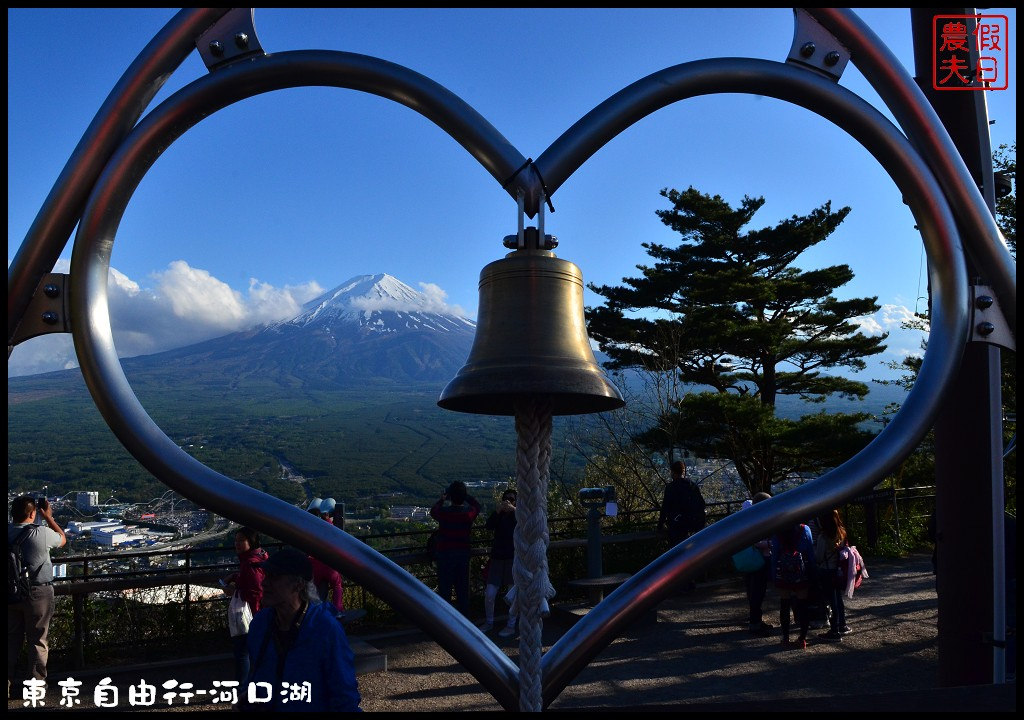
(248, 583)
(325, 578)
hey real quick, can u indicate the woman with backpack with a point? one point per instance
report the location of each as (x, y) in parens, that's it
(831, 540)
(793, 570)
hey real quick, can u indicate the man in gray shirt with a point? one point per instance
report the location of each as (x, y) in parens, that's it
(30, 620)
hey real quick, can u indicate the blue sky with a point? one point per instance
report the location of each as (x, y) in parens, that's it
(262, 205)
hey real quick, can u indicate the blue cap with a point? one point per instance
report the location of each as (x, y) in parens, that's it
(327, 506)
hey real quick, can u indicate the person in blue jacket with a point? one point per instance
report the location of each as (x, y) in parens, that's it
(301, 659)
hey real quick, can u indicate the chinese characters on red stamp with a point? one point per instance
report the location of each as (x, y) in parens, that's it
(970, 52)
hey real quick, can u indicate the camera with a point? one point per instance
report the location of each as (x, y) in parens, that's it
(41, 502)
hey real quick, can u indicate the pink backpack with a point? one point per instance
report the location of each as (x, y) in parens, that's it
(850, 571)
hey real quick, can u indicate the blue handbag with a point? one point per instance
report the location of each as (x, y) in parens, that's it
(748, 560)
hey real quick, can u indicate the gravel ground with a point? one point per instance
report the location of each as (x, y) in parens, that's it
(697, 657)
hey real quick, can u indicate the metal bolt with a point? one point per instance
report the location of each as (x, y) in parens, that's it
(50, 317)
(550, 242)
(807, 49)
(51, 290)
(986, 328)
(832, 58)
(510, 241)
(241, 41)
(216, 48)
(984, 302)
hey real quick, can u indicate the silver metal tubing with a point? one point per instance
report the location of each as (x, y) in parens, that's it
(974, 209)
(924, 128)
(117, 171)
(144, 439)
(57, 217)
(949, 330)
(141, 436)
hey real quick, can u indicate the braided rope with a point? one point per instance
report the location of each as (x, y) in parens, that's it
(530, 567)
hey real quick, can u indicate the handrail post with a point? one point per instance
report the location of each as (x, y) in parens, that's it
(78, 609)
(188, 591)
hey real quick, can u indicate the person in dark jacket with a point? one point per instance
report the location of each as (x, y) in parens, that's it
(248, 583)
(793, 570)
(455, 521)
(301, 659)
(502, 522)
(682, 510)
(683, 507)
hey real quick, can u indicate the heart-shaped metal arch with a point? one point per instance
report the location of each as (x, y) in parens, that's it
(113, 395)
(158, 454)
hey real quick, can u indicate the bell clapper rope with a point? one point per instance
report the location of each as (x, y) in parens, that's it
(530, 568)
(532, 589)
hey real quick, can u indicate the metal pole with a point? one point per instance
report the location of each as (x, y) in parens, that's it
(594, 562)
(968, 431)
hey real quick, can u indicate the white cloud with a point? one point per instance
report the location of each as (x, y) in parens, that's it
(186, 305)
(870, 326)
(198, 297)
(889, 318)
(893, 316)
(436, 300)
(42, 354)
(901, 341)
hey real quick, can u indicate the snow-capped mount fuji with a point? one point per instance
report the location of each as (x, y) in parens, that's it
(369, 329)
(379, 303)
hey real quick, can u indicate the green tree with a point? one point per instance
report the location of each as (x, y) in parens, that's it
(746, 324)
(1004, 161)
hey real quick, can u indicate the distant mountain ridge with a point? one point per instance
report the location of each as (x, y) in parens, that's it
(346, 390)
(371, 328)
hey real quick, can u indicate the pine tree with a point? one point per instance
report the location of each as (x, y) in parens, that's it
(740, 319)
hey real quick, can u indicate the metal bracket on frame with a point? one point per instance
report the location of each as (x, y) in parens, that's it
(48, 311)
(987, 322)
(232, 38)
(816, 48)
(530, 237)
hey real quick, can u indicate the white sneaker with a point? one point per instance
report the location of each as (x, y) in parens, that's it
(507, 632)
(486, 627)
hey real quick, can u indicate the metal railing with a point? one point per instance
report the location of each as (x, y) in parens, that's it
(103, 610)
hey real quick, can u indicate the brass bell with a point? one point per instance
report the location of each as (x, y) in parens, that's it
(531, 340)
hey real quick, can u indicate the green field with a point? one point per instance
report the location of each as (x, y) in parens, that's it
(353, 444)
(349, 444)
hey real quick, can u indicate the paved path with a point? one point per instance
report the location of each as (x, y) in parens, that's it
(698, 656)
(700, 652)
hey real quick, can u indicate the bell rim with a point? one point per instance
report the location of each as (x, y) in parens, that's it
(503, 404)
(573, 388)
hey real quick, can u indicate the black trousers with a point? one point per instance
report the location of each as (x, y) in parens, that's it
(757, 586)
